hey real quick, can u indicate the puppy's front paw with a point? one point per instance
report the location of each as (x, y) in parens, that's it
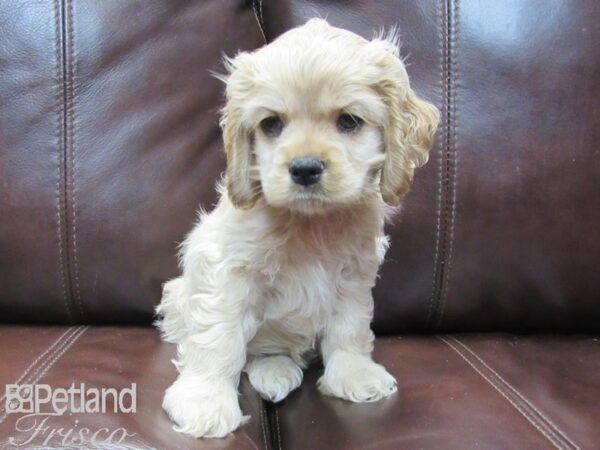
(274, 377)
(356, 378)
(203, 409)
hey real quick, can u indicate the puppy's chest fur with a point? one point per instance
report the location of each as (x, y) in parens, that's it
(303, 266)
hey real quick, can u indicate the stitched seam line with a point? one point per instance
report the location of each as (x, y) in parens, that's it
(64, 154)
(447, 170)
(258, 14)
(35, 374)
(278, 430)
(551, 437)
(507, 385)
(74, 338)
(451, 157)
(503, 394)
(66, 149)
(272, 422)
(51, 359)
(60, 191)
(57, 350)
(70, 148)
(439, 235)
(34, 362)
(263, 423)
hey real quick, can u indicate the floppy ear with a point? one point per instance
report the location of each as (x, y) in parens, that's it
(242, 189)
(407, 132)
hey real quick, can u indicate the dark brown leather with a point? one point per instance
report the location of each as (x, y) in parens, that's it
(107, 357)
(109, 143)
(488, 392)
(500, 231)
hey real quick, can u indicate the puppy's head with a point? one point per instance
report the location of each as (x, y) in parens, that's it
(322, 118)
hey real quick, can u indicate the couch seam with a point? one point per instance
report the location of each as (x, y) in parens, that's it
(70, 116)
(52, 358)
(516, 392)
(60, 201)
(451, 156)
(57, 350)
(80, 331)
(257, 8)
(439, 235)
(504, 395)
(548, 434)
(34, 362)
(278, 431)
(263, 424)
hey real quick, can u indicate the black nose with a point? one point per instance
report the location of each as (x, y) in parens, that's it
(306, 170)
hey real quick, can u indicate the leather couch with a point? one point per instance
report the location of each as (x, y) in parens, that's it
(488, 307)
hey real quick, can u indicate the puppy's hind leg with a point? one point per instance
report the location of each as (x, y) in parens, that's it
(170, 320)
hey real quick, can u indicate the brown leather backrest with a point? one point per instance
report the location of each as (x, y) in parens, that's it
(109, 142)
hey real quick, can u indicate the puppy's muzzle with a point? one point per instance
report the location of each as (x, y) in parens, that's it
(306, 170)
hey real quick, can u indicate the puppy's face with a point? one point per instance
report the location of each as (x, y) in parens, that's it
(322, 118)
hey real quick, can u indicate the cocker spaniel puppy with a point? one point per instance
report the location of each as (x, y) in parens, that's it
(322, 134)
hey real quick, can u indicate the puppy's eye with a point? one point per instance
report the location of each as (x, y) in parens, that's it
(271, 126)
(347, 123)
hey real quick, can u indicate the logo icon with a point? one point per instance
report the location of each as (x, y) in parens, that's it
(19, 398)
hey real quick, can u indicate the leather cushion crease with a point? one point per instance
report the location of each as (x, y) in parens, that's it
(109, 144)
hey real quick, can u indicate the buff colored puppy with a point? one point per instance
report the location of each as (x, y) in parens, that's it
(322, 134)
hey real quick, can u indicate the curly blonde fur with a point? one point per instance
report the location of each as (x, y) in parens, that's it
(279, 271)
